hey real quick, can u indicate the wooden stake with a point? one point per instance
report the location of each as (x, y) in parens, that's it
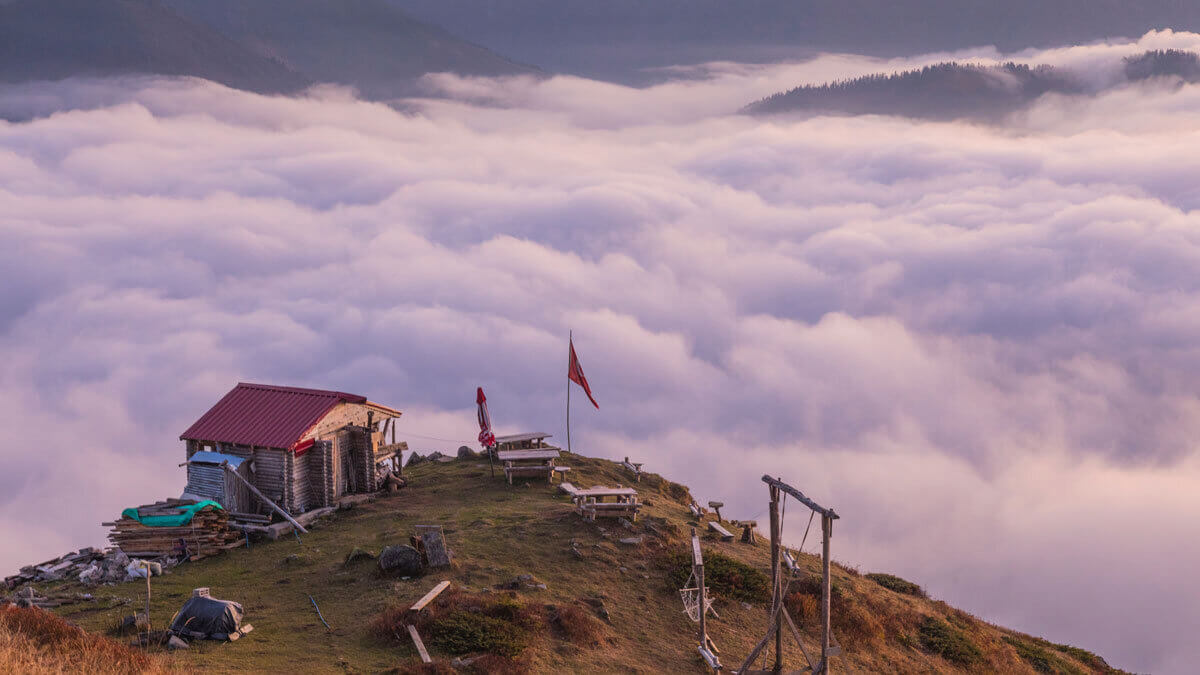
(146, 565)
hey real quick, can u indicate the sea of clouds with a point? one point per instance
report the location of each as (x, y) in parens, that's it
(979, 343)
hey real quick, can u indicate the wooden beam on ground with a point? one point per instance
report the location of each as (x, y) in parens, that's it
(428, 597)
(412, 632)
(278, 509)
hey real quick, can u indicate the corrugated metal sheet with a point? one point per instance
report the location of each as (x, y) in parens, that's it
(206, 457)
(265, 415)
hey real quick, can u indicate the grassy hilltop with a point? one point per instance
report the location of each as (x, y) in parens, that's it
(606, 606)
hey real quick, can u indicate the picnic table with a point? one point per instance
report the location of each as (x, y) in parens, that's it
(590, 503)
(532, 440)
(528, 463)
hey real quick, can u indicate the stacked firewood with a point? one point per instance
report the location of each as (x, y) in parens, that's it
(207, 534)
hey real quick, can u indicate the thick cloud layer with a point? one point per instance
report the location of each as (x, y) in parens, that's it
(976, 342)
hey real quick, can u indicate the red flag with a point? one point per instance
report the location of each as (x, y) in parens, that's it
(575, 374)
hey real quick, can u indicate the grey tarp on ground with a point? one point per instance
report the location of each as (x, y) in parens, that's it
(207, 617)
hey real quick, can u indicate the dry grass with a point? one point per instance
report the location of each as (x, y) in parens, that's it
(497, 532)
(36, 642)
(578, 625)
(460, 623)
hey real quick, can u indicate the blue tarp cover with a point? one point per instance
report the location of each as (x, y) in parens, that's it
(206, 457)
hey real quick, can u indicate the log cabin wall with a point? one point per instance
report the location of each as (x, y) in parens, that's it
(237, 497)
(269, 468)
(297, 490)
(320, 461)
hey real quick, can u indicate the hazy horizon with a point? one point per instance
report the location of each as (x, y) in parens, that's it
(974, 341)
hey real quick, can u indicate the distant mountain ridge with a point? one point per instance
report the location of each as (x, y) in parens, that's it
(56, 39)
(951, 90)
(267, 46)
(369, 44)
(621, 38)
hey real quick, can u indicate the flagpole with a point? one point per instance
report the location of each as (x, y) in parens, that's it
(570, 337)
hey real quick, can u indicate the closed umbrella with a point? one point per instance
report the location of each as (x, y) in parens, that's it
(486, 438)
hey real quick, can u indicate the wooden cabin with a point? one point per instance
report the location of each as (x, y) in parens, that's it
(302, 448)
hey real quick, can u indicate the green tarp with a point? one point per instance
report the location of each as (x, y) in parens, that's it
(183, 518)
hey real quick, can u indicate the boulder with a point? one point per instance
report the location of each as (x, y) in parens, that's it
(414, 459)
(400, 560)
(466, 453)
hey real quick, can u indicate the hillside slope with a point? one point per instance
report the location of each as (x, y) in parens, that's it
(497, 533)
(56, 39)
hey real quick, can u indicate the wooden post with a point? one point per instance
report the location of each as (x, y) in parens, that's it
(776, 588)
(263, 497)
(826, 535)
(146, 566)
(570, 337)
(399, 453)
(698, 568)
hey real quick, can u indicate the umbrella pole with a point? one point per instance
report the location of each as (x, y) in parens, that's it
(491, 465)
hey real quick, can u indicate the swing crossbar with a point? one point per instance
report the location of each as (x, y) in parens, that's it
(776, 483)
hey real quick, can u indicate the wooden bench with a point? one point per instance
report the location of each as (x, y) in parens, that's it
(546, 470)
(568, 488)
(561, 471)
(593, 510)
(725, 535)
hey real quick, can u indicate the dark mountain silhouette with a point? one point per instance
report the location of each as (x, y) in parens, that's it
(266, 46)
(1164, 63)
(369, 44)
(618, 38)
(56, 39)
(953, 90)
(942, 91)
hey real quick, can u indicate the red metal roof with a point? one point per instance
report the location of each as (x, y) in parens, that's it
(265, 415)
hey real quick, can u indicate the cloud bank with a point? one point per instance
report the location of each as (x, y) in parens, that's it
(978, 343)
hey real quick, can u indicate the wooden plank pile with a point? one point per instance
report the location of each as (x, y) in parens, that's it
(208, 533)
